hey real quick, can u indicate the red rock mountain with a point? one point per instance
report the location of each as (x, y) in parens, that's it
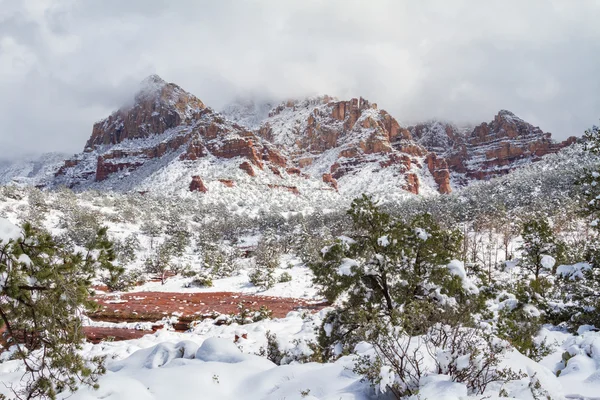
(333, 139)
(164, 121)
(488, 150)
(167, 137)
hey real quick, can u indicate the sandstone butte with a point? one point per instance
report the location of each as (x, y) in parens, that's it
(164, 119)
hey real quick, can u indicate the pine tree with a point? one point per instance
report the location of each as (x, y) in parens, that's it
(386, 270)
(43, 288)
(540, 253)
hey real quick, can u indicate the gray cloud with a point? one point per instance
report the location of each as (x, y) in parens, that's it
(65, 64)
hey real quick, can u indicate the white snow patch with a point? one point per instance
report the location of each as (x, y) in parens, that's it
(548, 262)
(8, 231)
(345, 268)
(457, 268)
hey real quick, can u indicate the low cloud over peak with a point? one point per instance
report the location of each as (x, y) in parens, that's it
(66, 64)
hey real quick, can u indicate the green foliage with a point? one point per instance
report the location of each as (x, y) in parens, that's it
(266, 261)
(285, 277)
(126, 249)
(159, 263)
(583, 290)
(300, 351)
(81, 225)
(43, 287)
(220, 262)
(117, 279)
(520, 329)
(150, 228)
(392, 285)
(272, 351)
(383, 267)
(199, 279)
(178, 237)
(248, 315)
(539, 241)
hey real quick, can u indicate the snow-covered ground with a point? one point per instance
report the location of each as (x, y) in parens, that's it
(207, 363)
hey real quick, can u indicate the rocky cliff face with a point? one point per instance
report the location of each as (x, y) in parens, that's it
(164, 123)
(157, 107)
(487, 150)
(335, 139)
(168, 137)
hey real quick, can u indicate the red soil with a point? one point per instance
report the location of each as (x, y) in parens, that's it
(96, 334)
(153, 306)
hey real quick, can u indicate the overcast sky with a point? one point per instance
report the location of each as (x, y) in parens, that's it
(65, 64)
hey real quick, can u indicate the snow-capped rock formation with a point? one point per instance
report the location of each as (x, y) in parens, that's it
(165, 127)
(168, 140)
(489, 149)
(339, 140)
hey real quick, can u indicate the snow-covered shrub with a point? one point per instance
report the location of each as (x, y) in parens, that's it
(519, 322)
(300, 351)
(398, 362)
(285, 277)
(118, 279)
(12, 192)
(220, 261)
(66, 200)
(178, 235)
(468, 355)
(266, 261)
(126, 249)
(578, 286)
(272, 351)
(150, 228)
(385, 267)
(159, 262)
(247, 315)
(539, 253)
(199, 278)
(126, 211)
(81, 225)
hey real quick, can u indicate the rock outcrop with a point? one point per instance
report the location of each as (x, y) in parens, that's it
(336, 144)
(438, 167)
(353, 134)
(485, 151)
(291, 189)
(227, 182)
(158, 106)
(247, 167)
(197, 185)
(164, 121)
(330, 180)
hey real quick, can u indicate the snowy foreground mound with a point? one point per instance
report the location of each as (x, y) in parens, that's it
(207, 364)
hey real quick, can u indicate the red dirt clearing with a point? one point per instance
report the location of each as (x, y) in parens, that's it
(154, 306)
(96, 334)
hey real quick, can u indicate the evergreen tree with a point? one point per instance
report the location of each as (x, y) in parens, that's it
(43, 288)
(540, 253)
(388, 271)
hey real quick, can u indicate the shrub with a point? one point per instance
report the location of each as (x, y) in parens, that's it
(249, 315)
(266, 261)
(159, 263)
(467, 355)
(285, 277)
(384, 265)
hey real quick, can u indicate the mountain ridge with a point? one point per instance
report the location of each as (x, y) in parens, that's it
(335, 144)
